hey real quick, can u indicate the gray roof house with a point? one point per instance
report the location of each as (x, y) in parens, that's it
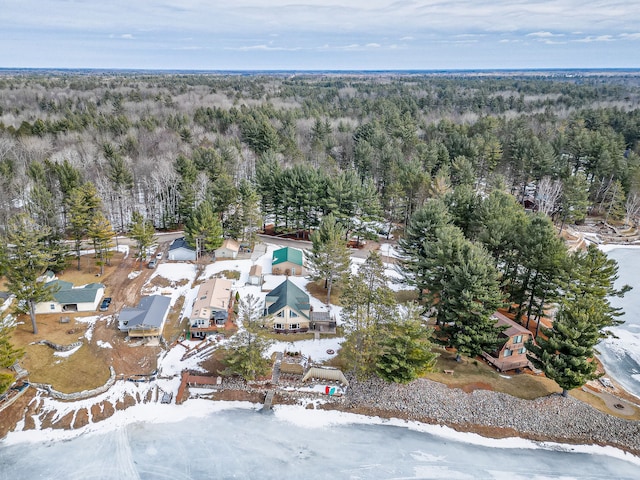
(181, 250)
(67, 298)
(147, 319)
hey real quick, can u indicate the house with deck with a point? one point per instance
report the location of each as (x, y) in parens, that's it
(147, 319)
(228, 249)
(69, 298)
(513, 353)
(180, 250)
(288, 261)
(287, 309)
(211, 307)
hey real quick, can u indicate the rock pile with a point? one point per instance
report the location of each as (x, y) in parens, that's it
(553, 418)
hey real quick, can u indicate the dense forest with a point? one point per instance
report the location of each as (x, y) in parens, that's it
(475, 174)
(302, 146)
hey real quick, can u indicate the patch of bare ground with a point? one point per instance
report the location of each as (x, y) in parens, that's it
(12, 415)
(239, 396)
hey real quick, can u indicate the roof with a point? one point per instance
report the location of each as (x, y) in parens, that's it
(326, 373)
(212, 294)
(150, 312)
(180, 243)
(287, 254)
(67, 293)
(255, 271)
(513, 328)
(230, 244)
(287, 294)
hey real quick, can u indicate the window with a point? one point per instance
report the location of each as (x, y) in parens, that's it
(53, 306)
(292, 314)
(278, 326)
(280, 314)
(293, 271)
(517, 339)
(295, 326)
(507, 352)
(522, 350)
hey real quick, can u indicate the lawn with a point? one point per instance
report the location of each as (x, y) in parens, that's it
(475, 374)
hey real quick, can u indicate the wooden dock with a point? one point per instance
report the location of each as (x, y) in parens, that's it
(268, 400)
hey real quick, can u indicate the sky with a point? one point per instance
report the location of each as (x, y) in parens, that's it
(319, 34)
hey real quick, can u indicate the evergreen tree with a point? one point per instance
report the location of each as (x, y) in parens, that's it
(101, 232)
(143, 233)
(593, 275)
(27, 258)
(565, 352)
(405, 350)
(329, 259)
(245, 354)
(79, 218)
(9, 354)
(422, 228)
(203, 229)
(369, 303)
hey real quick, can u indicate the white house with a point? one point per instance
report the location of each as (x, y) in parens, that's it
(181, 250)
(68, 298)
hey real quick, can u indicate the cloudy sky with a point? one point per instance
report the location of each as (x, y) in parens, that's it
(320, 34)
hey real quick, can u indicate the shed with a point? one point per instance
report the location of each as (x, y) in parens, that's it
(326, 373)
(255, 275)
(180, 250)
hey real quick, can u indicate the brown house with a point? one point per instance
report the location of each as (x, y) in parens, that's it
(513, 353)
(211, 307)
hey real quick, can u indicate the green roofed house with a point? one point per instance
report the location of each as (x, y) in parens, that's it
(288, 261)
(67, 298)
(287, 309)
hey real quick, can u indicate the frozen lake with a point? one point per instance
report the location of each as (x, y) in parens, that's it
(621, 355)
(295, 443)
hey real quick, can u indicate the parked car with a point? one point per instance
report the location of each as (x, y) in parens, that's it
(152, 263)
(159, 255)
(104, 306)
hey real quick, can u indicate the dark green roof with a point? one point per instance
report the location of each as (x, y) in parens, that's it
(288, 294)
(287, 254)
(66, 294)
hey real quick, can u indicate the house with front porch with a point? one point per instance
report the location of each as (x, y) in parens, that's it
(287, 309)
(513, 353)
(211, 307)
(147, 319)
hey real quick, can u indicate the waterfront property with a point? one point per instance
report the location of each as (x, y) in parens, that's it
(288, 261)
(211, 307)
(512, 354)
(147, 319)
(68, 298)
(287, 309)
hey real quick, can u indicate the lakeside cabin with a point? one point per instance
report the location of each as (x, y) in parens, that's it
(211, 307)
(513, 353)
(147, 319)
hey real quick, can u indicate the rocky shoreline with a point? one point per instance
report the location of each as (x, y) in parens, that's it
(497, 415)
(552, 418)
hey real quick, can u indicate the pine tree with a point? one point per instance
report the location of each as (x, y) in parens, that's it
(422, 229)
(203, 228)
(9, 354)
(329, 259)
(27, 258)
(78, 218)
(143, 233)
(245, 354)
(101, 232)
(369, 303)
(405, 350)
(566, 352)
